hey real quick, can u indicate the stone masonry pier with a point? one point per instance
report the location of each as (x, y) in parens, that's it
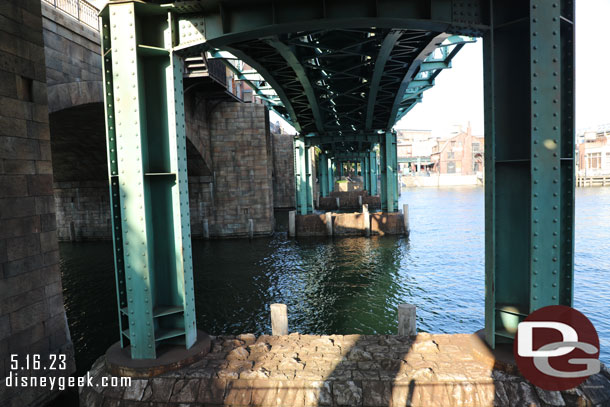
(351, 370)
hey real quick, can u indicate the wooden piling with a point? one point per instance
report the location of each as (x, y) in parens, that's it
(406, 320)
(405, 217)
(329, 223)
(292, 227)
(279, 319)
(366, 220)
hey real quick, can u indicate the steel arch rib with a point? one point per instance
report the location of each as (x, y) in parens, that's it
(380, 62)
(291, 59)
(409, 75)
(271, 80)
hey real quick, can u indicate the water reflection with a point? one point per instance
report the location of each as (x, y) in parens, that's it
(345, 285)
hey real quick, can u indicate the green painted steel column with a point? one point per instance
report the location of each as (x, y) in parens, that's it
(373, 170)
(331, 175)
(323, 163)
(366, 174)
(389, 183)
(395, 173)
(146, 142)
(308, 180)
(300, 174)
(383, 187)
(529, 163)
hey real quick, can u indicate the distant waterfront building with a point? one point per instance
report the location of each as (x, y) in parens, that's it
(460, 154)
(414, 148)
(593, 151)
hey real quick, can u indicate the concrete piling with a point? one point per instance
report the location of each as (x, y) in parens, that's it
(405, 217)
(292, 227)
(329, 223)
(366, 220)
(206, 229)
(406, 320)
(279, 319)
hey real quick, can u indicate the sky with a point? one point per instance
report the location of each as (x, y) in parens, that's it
(457, 97)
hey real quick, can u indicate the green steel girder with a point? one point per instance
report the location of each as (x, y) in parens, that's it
(146, 142)
(333, 76)
(529, 162)
(373, 172)
(323, 166)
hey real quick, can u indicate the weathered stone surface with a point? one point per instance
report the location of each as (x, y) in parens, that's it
(347, 393)
(332, 379)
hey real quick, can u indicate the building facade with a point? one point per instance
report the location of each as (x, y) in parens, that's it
(593, 151)
(461, 154)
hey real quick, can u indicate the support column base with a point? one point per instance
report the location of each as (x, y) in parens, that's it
(169, 357)
(501, 358)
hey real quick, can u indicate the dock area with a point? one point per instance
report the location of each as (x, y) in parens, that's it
(343, 370)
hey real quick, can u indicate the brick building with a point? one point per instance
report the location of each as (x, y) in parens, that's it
(460, 154)
(593, 151)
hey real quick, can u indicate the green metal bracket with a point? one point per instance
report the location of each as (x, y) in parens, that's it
(148, 180)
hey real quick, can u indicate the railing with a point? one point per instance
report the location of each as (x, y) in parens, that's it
(79, 9)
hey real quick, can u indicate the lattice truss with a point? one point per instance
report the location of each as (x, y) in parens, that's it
(330, 83)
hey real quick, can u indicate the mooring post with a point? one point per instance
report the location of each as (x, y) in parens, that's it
(405, 216)
(366, 220)
(292, 227)
(206, 229)
(279, 319)
(250, 228)
(406, 320)
(329, 223)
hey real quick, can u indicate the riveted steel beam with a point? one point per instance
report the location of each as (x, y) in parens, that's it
(529, 163)
(382, 57)
(288, 53)
(148, 181)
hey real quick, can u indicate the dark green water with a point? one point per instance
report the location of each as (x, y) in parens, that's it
(348, 285)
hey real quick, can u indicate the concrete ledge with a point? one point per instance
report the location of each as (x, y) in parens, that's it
(350, 224)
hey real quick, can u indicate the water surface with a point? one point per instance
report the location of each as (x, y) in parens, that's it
(345, 285)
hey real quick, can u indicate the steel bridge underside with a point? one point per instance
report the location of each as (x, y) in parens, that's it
(342, 72)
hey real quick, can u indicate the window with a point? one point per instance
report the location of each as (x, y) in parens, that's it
(451, 167)
(450, 155)
(594, 160)
(607, 164)
(476, 147)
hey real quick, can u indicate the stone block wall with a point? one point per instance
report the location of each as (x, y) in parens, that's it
(283, 171)
(240, 187)
(72, 54)
(82, 210)
(32, 316)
